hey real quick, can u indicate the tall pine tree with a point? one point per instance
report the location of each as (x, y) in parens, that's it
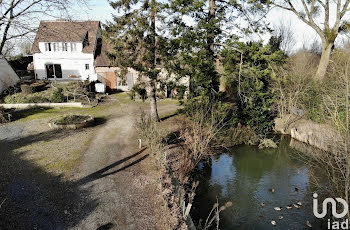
(136, 40)
(199, 29)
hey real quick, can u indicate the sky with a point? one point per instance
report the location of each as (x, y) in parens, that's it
(102, 11)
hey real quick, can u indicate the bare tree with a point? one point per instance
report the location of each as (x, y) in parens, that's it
(25, 47)
(8, 49)
(18, 17)
(284, 32)
(309, 12)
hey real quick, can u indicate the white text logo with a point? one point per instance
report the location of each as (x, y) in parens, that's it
(333, 203)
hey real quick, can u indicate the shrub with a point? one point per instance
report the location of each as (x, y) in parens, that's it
(296, 88)
(27, 89)
(40, 97)
(3, 118)
(39, 86)
(200, 133)
(57, 96)
(71, 119)
(149, 132)
(140, 89)
(132, 94)
(248, 82)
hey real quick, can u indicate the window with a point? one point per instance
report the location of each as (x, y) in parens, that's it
(48, 46)
(87, 67)
(64, 46)
(53, 71)
(73, 47)
(86, 40)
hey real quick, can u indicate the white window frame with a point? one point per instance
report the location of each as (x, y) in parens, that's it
(64, 46)
(48, 46)
(73, 47)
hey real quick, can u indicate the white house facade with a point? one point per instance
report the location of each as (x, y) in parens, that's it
(62, 64)
(74, 51)
(65, 50)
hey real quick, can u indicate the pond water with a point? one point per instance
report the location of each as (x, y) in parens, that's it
(245, 176)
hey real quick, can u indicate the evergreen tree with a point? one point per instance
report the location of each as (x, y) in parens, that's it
(199, 30)
(137, 39)
(251, 87)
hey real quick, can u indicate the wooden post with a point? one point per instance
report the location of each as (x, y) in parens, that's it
(140, 143)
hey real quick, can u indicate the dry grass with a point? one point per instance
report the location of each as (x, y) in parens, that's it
(58, 155)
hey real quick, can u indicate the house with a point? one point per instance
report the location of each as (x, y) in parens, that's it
(72, 51)
(108, 73)
(8, 76)
(75, 51)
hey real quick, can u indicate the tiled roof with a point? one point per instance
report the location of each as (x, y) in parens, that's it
(101, 59)
(67, 31)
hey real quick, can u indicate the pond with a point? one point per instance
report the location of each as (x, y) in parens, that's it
(245, 176)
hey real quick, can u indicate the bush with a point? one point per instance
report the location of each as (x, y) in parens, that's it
(132, 94)
(140, 89)
(27, 89)
(21, 98)
(149, 132)
(40, 97)
(39, 86)
(3, 118)
(296, 88)
(57, 96)
(72, 119)
(249, 83)
(181, 91)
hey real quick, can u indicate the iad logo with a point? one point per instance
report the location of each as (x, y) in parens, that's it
(333, 205)
(333, 202)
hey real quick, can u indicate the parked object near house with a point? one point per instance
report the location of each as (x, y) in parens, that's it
(8, 76)
(100, 88)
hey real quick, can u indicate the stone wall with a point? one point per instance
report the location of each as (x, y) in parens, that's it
(322, 136)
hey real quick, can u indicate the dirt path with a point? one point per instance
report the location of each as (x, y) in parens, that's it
(114, 186)
(119, 177)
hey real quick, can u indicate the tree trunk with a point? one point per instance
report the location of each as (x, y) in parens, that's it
(322, 66)
(153, 103)
(153, 98)
(4, 36)
(211, 32)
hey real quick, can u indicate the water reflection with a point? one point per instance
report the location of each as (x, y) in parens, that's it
(244, 177)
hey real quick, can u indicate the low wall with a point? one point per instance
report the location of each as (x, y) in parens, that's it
(48, 105)
(322, 136)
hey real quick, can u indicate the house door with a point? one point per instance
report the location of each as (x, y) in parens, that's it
(53, 70)
(111, 80)
(130, 80)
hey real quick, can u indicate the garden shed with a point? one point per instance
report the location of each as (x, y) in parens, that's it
(8, 76)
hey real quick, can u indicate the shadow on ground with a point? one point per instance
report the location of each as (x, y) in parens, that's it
(31, 198)
(99, 121)
(169, 116)
(23, 113)
(103, 172)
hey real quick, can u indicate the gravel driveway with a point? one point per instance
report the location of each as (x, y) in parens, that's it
(115, 186)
